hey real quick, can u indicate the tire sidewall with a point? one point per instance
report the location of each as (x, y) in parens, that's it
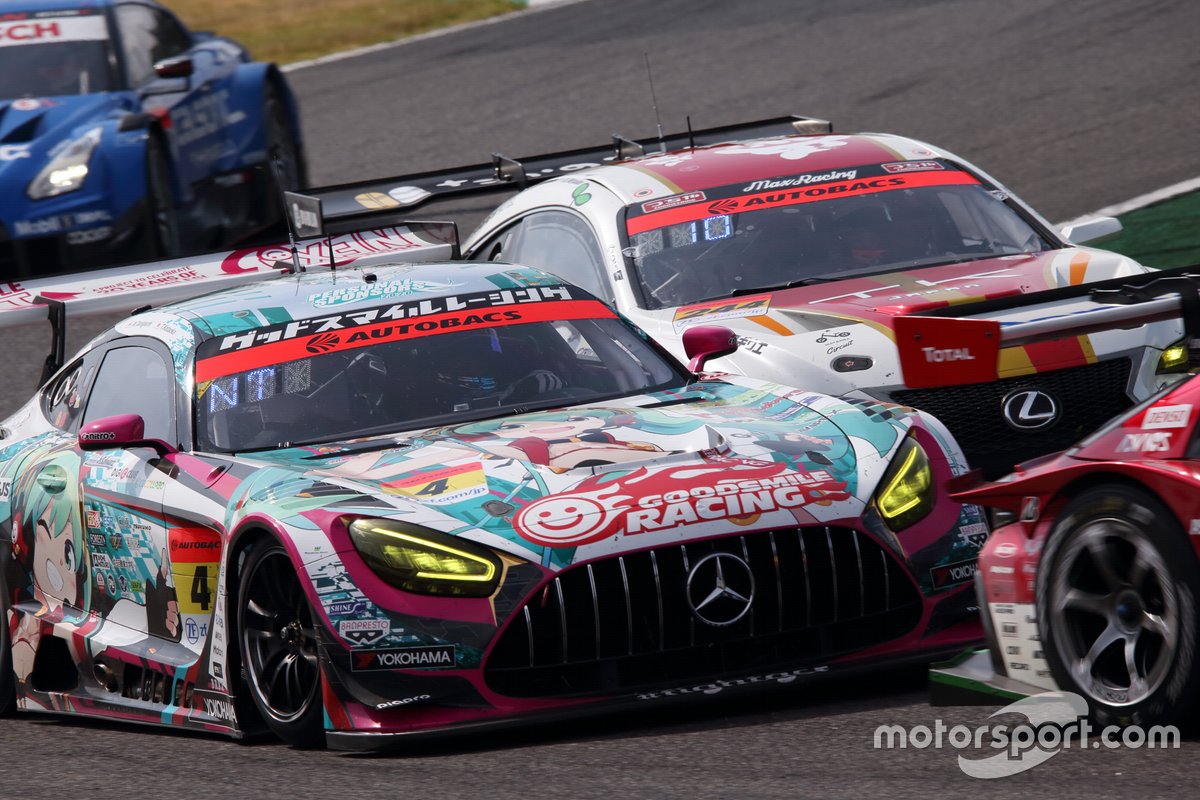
(1173, 699)
(306, 730)
(157, 158)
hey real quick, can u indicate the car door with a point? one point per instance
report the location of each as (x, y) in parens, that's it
(132, 589)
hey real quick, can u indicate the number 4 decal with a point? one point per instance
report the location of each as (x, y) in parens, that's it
(201, 593)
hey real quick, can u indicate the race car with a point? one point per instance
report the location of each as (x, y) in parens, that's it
(125, 136)
(386, 499)
(1089, 583)
(809, 244)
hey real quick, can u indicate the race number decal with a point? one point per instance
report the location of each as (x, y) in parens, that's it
(195, 559)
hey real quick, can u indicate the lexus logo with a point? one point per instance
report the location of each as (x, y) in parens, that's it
(1030, 410)
(720, 589)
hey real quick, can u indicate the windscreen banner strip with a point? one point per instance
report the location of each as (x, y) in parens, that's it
(278, 352)
(789, 197)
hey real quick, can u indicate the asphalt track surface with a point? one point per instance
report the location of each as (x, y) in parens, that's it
(1075, 105)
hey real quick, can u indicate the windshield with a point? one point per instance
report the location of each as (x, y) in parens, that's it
(420, 379)
(769, 234)
(54, 55)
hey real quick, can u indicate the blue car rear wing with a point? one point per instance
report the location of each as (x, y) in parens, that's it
(350, 201)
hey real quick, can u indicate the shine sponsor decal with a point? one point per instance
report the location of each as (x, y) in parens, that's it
(432, 657)
(706, 313)
(796, 195)
(645, 500)
(1159, 417)
(364, 631)
(246, 353)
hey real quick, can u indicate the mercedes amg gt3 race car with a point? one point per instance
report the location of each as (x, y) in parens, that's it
(1090, 582)
(404, 498)
(125, 136)
(809, 244)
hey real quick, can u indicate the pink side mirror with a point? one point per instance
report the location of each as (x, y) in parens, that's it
(120, 431)
(706, 342)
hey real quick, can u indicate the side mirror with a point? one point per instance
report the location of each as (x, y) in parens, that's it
(1091, 230)
(706, 342)
(120, 431)
(177, 67)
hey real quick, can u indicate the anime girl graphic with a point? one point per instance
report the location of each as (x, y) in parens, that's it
(49, 547)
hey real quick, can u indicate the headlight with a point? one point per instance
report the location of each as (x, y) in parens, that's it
(905, 495)
(67, 170)
(423, 561)
(1175, 357)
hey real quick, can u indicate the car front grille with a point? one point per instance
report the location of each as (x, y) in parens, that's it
(1087, 396)
(626, 623)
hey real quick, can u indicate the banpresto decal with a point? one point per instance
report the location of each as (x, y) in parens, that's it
(644, 500)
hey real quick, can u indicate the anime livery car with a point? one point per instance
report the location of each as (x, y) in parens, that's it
(425, 497)
(125, 136)
(809, 244)
(1090, 581)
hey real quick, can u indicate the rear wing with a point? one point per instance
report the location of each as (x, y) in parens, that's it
(938, 348)
(350, 201)
(133, 286)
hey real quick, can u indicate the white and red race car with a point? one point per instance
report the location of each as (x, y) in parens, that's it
(809, 245)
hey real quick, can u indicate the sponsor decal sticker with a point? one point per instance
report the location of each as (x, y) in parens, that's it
(442, 486)
(11, 152)
(911, 166)
(1154, 442)
(1167, 417)
(364, 631)
(67, 29)
(802, 180)
(951, 574)
(375, 200)
(706, 313)
(195, 560)
(361, 292)
(673, 201)
(437, 656)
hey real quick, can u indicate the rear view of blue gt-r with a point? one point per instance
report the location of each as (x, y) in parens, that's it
(123, 136)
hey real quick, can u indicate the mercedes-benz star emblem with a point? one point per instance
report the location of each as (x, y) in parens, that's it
(720, 589)
(1030, 410)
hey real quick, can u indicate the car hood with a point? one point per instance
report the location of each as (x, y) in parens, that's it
(715, 459)
(879, 299)
(30, 128)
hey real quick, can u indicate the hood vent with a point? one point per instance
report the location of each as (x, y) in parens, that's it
(25, 132)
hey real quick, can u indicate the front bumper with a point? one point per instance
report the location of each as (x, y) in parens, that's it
(71, 242)
(969, 679)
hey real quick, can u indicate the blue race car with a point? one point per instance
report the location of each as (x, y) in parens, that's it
(127, 136)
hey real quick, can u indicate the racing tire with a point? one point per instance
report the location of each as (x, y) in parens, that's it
(8, 678)
(162, 218)
(1116, 607)
(279, 647)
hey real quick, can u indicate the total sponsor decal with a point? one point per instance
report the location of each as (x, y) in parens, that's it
(642, 501)
(1154, 442)
(706, 313)
(798, 180)
(364, 631)
(1167, 417)
(716, 687)
(436, 656)
(937, 356)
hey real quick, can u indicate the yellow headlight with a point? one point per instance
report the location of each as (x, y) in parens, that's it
(424, 561)
(1174, 358)
(906, 495)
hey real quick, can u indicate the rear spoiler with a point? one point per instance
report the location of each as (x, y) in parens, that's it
(350, 201)
(940, 348)
(133, 286)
